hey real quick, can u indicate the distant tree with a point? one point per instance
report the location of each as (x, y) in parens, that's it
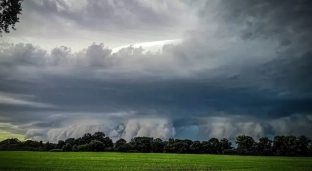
(60, 144)
(196, 147)
(84, 147)
(71, 141)
(10, 141)
(55, 150)
(100, 136)
(205, 146)
(279, 146)
(264, 146)
(78, 141)
(120, 145)
(188, 142)
(108, 142)
(232, 151)
(245, 144)
(86, 138)
(303, 145)
(48, 146)
(128, 147)
(290, 145)
(169, 148)
(96, 146)
(10, 144)
(98, 142)
(31, 145)
(75, 148)
(158, 145)
(181, 147)
(9, 10)
(285, 145)
(214, 146)
(110, 149)
(142, 144)
(40, 143)
(67, 147)
(309, 149)
(225, 145)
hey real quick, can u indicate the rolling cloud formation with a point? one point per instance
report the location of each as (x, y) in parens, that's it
(243, 68)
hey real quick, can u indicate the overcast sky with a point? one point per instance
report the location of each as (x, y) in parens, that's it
(224, 68)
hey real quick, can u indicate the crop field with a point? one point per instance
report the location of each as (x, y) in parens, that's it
(48, 161)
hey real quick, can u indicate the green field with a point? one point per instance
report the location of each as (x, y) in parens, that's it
(48, 161)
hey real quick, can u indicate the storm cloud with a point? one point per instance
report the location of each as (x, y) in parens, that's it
(244, 68)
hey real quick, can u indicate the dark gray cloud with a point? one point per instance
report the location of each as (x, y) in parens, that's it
(108, 14)
(243, 70)
(107, 20)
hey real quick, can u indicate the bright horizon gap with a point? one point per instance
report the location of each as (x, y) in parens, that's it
(148, 44)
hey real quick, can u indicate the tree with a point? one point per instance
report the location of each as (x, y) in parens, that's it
(71, 141)
(84, 147)
(291, 145)
(158, 145)
(10, 144)
(205, 146)
(181, 147)
(9, 10)
(284, 145)
(86, 138)
(120, 145)
(169, 146)
(188, 142)
(75, 148)
(302, 145)
(67, 147)
(108, 142)
(309, 149)
(196, 147)
(98, 142)
(10, 141)
(142, 144)
(40, 144)
(214, 146)
(279, 145)
(60, 144)
(99, 136)
(48, 146)
(30, 144)
(128, 147)
(265, 146)
(245, 144)
(225, 145)
(96, 146)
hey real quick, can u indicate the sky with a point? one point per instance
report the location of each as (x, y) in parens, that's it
(160, 68)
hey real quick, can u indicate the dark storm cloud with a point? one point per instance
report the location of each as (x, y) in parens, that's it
(96, 92)
(244, 70)
(119, 23)
(284, 19)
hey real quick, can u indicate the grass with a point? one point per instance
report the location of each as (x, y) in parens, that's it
(48, 161)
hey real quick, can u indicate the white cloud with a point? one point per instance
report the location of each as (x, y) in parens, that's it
(157, 128)
(230, 127)
(127, 129)
(292, 125)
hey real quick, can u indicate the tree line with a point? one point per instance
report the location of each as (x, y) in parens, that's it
(98, 142)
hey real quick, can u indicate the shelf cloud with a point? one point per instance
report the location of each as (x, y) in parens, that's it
(242, 67)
